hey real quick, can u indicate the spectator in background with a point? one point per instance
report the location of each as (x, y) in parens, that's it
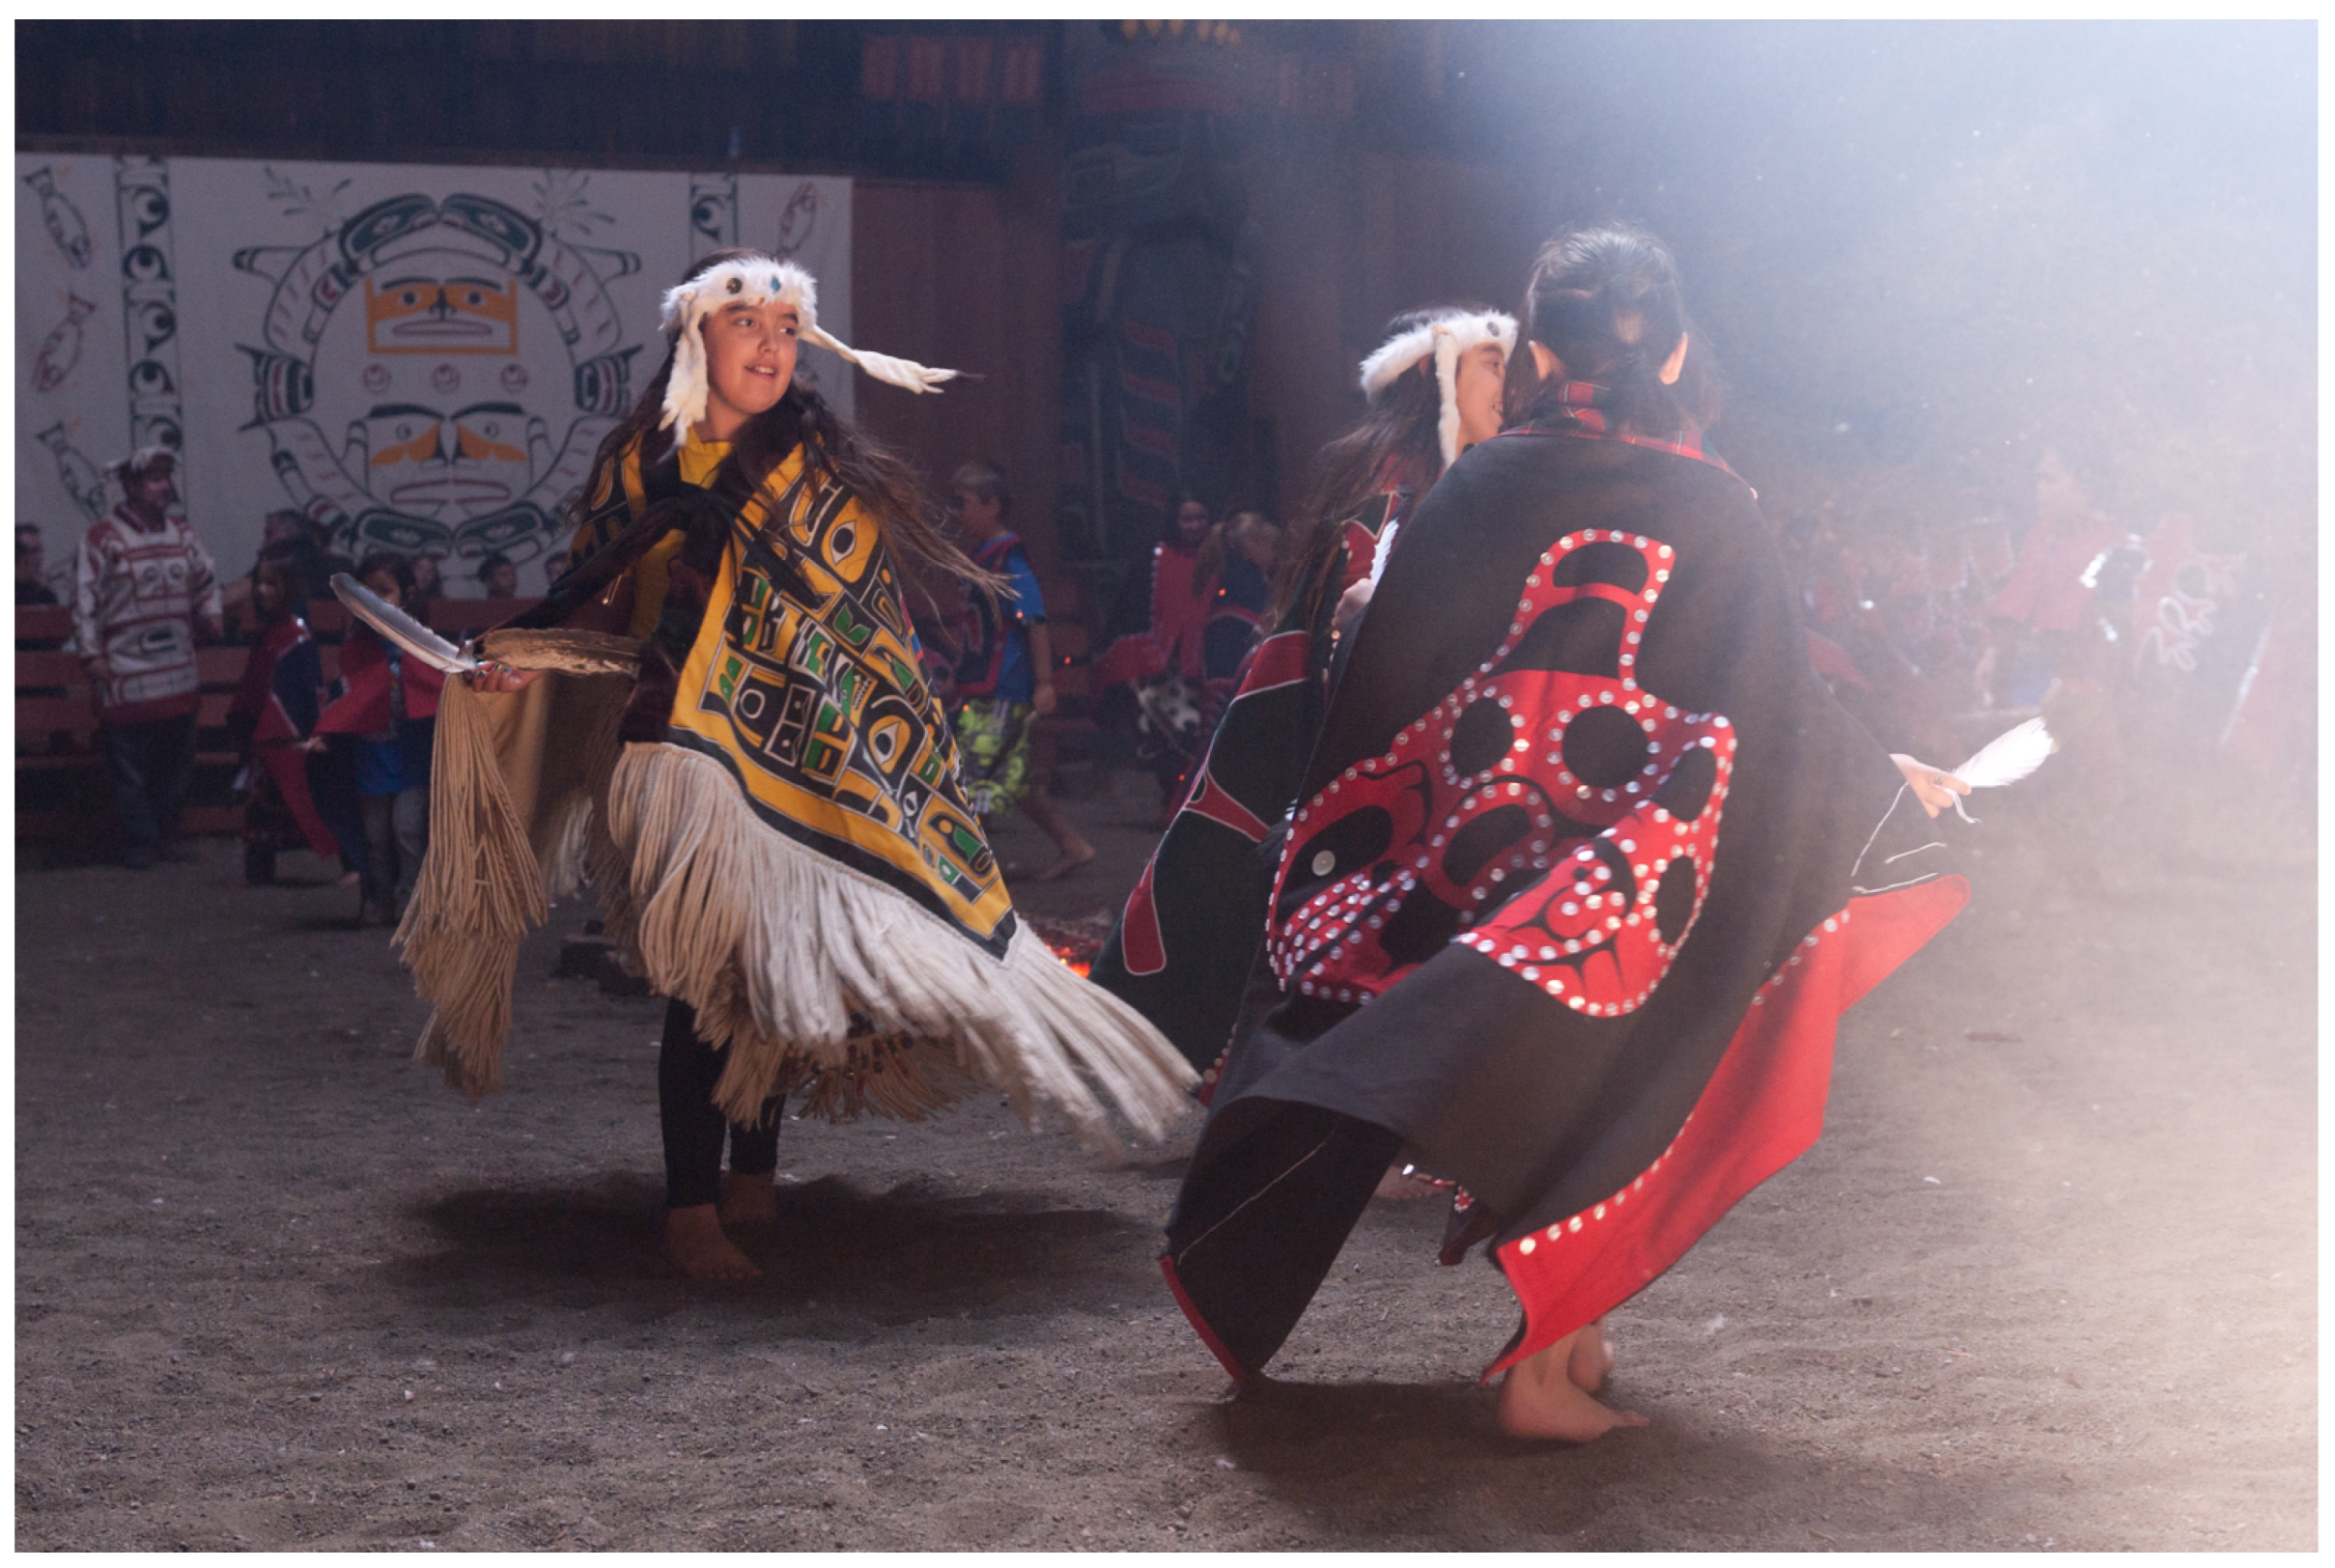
(1161, 618)
(1004, 676)
(1244, 552)
(282, 538)
(274, 720)
(389, 714)
(307, 543)
(2044, 602)
(427, 588)
(142, 584)
(2051, 645)
(32, 584)
(498, 576)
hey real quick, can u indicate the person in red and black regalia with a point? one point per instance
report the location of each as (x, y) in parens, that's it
(273, 717)
(1586, 864)
(1164, 660)
(1195, 924)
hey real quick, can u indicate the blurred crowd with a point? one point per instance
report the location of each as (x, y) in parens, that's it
(2150, 646)
(2146, 643)
(338, 764)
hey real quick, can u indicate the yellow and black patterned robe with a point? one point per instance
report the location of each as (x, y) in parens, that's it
(778, 645)
(769, 813)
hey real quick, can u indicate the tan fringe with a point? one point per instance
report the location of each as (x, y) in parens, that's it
(496, 861)
(776, 947)
(902, 1079)
(478, 891)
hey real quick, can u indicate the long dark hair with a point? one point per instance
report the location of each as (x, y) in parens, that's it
(1402, 423)
(400, 569)
(886, 484)
(1604, 299)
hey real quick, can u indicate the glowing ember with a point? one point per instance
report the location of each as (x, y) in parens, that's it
(1075, 942)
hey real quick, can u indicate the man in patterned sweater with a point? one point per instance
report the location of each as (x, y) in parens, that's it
(142, 583)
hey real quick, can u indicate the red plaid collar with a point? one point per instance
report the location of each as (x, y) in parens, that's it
(1578, 409)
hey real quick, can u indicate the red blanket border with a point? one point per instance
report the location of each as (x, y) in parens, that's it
(1761, 1110)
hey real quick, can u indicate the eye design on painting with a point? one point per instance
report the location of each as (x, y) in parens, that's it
(432, 316)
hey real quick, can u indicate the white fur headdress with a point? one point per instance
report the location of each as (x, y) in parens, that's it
(1447, 340)
(760, 280)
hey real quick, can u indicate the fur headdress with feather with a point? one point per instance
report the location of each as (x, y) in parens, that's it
(759, 280)
(1445, 339)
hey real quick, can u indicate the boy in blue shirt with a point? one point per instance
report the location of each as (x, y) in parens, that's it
(1005, 671)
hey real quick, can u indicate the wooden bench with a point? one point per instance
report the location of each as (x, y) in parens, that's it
(60, 761)
(61, 753)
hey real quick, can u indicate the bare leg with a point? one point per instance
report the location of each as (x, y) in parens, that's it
(1541, 1399)
(695, 1242)
(1048, 814)
(1591, 1359)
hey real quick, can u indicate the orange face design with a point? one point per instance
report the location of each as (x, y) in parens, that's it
(441, 315)
(414, 465)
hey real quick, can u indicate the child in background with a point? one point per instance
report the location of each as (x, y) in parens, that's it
(1244, 587)
(273, 717)
(498, 576)
(427, 588)
(1160, 616)
(31, 586)
(1005, 669)
(390, 713)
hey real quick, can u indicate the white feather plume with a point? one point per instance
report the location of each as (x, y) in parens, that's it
(905, 374)
(2008, 758)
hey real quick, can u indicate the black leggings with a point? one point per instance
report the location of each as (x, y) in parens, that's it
(686, 1070)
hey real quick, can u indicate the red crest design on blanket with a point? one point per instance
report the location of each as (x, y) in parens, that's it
(1551, 813)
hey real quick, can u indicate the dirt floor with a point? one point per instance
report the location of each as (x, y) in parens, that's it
(2048, 1281)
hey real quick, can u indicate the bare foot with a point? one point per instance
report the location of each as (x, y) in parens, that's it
(747, 1200)
(1072, 859)
(1591, 1359)
(695, 1243)
(1541, 1400)
(1397, 1183)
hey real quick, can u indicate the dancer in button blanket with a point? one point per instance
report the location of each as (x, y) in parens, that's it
(1195, 922)
(1586, 864)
